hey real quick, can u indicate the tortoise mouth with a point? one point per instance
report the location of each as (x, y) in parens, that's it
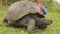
(50, 22)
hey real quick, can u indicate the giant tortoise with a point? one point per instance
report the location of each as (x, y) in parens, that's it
(26, 13)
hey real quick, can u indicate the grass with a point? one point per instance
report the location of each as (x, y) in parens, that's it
(54, 28)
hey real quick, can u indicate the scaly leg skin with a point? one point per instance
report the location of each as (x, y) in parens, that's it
(11, 23)
(31, 26)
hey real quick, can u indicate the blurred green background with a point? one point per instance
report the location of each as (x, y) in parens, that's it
(52, 7)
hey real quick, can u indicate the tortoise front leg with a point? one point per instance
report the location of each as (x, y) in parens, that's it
(31, 26)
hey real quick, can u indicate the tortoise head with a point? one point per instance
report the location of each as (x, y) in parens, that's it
(43, 22)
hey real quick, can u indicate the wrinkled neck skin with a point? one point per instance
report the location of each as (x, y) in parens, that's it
(37, 16)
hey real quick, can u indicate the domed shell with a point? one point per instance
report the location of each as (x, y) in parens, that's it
(19, 9)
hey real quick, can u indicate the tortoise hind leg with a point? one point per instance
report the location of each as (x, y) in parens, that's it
(12, 23)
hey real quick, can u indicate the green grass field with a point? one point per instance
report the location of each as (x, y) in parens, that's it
(54, 28)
